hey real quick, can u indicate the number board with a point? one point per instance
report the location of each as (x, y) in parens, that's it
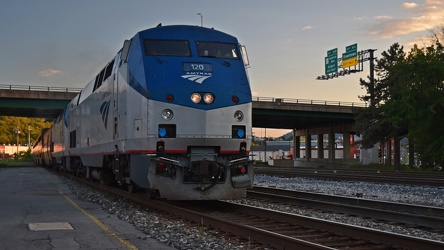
(199, 67)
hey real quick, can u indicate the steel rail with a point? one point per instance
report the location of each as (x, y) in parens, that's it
(386, 238)
(425, 216)
(342, 175)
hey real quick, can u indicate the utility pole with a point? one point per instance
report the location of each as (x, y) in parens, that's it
(29, 136)
(17, 131)
(371, 58)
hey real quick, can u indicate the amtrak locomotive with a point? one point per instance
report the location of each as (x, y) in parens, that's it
(171, 113)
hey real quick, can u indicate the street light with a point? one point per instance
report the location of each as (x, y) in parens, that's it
(29, 136)
(17, 131)
(201, 18)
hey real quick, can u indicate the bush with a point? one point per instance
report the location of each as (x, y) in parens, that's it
(27, 155)
(24, 155)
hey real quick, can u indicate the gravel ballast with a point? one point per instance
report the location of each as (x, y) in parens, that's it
(182, 235)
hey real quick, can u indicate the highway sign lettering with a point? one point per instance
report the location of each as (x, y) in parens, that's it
(331, 61)
(349, 62)
(350, 57)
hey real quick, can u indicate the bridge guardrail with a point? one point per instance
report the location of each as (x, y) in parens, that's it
(307, 101)
(40, 88)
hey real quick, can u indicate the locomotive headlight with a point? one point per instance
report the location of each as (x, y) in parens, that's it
(208, 98)
(167, 114)
(238, 115)
(195, 97)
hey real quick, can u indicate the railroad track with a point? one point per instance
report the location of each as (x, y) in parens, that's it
(288, 231)
(377, 176)
(275, 229)
(425, 217)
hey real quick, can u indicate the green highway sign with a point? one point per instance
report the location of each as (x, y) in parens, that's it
(350, 57)
(331, 61)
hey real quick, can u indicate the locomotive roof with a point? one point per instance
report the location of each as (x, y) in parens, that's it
(184, 32)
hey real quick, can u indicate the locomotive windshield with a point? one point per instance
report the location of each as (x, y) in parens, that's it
(218, 50)
(167, 48)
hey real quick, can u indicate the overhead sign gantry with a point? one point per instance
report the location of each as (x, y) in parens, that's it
(351, 61)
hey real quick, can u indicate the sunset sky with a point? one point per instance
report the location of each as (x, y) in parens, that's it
(65, 43)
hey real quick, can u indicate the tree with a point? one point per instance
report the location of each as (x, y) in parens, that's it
(407, 99)
(418, 101)
(371, 122)
(9, 124)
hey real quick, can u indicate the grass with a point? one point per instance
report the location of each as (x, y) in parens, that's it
(14, 162)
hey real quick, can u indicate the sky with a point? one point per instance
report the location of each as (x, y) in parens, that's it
(65, 43)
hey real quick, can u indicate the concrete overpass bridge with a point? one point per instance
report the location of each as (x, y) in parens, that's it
(34, 101)
(268, 112)
(307, 118)
(304, 117)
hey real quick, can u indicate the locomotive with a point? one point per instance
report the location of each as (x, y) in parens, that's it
(170, 113)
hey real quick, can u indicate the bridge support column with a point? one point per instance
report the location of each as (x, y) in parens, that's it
(411, 152)
(397, 153)
(297, 145)
(320, 146)
(388, 157)
(331, 146)
(307, 145)
(346, 145)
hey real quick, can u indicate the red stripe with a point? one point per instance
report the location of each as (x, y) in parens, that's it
(150, 152)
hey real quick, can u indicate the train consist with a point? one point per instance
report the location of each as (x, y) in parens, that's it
(170, 113)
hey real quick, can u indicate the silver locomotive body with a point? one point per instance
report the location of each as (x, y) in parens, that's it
(136, 124)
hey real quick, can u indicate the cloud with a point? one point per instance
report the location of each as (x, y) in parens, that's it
(382, 17)
(409, 5)
(420, 41)
(426, 17)
(49, 72)
(308, 27)
(433, 2)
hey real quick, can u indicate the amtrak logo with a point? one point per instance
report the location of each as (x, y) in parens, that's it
(104, 110)
(197, 77)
